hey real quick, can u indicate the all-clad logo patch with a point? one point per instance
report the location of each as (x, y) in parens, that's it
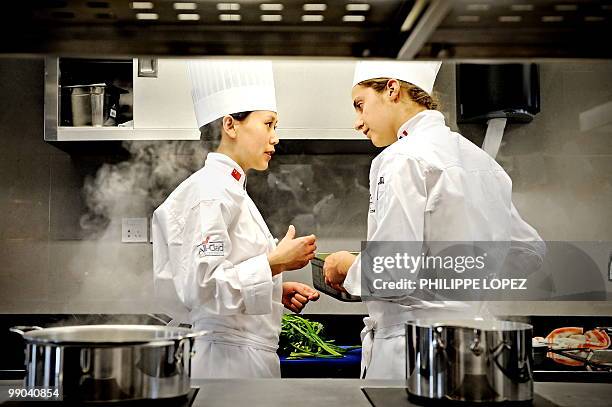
(210, 248)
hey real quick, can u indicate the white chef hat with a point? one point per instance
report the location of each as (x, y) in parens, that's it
(221, 87)
(421, 74)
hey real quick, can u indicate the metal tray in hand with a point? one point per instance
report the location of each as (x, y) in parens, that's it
(318, 281)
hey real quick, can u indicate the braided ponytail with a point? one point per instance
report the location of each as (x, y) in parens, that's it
(415, 93)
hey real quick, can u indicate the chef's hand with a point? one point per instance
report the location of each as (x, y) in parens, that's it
(292, 253)
(297, 295)
(336, 267)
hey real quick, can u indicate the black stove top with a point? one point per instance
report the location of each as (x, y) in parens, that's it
(183, 401)
(398, 397)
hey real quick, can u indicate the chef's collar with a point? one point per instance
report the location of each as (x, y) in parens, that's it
(228, 167)
(418, 119)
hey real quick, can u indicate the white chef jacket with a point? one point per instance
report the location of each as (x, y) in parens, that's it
(432, 185)
(210, 246)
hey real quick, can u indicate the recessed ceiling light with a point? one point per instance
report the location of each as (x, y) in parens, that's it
(228, 6)
(468, 19)
(271, 7)
(147, 16)
(315, 7)
(478, 7)
(510, 19)
(353, 19)
(357, 7)
(521, 7)
(271, 17)
(142, 5)
(185, 6)
(188, 17)
(594, 19)
(230, 17)
(312, 17)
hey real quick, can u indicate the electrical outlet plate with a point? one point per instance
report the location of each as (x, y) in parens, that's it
(134, 230)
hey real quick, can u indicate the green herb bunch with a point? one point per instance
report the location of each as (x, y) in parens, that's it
(301, 338)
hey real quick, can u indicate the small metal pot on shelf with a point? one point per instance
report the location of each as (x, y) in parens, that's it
(95, 104)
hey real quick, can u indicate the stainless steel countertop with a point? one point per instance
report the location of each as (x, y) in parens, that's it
(347, 392)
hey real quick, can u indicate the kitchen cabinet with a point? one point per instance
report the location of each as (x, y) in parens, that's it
(313, 99)
(87, 99)
(160, 107)
(163, 108)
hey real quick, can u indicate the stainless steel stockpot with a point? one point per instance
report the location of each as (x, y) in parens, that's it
(474, 361)
(110, 362)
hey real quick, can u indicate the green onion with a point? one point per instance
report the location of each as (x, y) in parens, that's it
(301, 338)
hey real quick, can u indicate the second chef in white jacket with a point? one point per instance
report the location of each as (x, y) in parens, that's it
(212, 249)
(428, 185)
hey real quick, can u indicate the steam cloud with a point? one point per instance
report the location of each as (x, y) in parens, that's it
(134, 188)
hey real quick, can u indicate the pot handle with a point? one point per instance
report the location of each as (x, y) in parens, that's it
(85, 360)
(438, 341)
(23, 329)
(178, 356)
(441, 358)
(475, 346)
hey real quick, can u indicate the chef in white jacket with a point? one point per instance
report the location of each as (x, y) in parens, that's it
(429, 184)
(216, 265)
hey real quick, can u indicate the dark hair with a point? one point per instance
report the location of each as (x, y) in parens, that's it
(210, 134)
(240, 116)
(415, 93)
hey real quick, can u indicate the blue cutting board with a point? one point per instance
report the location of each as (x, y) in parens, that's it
(353, 356)
(345, 367)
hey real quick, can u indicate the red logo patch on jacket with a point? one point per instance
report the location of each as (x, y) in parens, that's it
(236, 174)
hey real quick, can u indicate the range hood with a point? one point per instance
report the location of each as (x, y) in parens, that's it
(400, 29)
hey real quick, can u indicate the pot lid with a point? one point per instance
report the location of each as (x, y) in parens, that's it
(480, 324)
(108, 335)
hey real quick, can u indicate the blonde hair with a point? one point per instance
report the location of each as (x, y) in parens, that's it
(415, 93)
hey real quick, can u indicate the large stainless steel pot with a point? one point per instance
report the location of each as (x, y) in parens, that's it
(469, 361)
(110, 362)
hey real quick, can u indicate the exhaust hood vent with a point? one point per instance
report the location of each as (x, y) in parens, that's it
(403, 29)
(349, 28)
(523, 29)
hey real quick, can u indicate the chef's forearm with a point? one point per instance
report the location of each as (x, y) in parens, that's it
(275, 266)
